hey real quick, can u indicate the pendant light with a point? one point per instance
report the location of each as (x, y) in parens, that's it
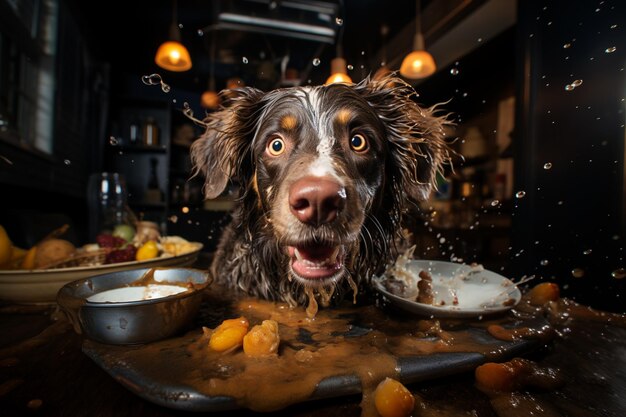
(210, 99)
(419, 63)
(338, 70)
(384, 70)
(172, 55)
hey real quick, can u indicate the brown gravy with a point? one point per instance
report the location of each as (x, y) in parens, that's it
(365, 341)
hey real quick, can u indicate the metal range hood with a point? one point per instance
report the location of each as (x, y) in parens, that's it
(308, 20)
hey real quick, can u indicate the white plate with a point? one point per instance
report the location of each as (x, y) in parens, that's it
(40, 286)
(478, 291)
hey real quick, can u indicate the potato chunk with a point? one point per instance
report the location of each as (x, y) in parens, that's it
(392, 399)
(496, 377)
(515, 374)
(544, 292)
(229, 334)
(262, 340)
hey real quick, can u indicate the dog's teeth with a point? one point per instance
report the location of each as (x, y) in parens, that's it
(333, 256)
(297, 253)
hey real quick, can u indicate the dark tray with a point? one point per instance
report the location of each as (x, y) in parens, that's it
(167, 385)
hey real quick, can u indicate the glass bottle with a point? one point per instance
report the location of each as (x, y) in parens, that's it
(150, 132)
(153, 192)
(133, 131)
(107, 200)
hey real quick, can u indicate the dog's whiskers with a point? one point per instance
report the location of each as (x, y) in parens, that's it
(379, 228)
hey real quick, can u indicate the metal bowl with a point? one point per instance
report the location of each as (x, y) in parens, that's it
(130, 319)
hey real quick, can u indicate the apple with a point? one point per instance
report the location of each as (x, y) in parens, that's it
(125, 231)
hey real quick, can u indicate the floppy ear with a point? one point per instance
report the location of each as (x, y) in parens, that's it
(219, 154)
(415, 135)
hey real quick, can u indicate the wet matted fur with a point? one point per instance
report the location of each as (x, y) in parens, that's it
(371, 141)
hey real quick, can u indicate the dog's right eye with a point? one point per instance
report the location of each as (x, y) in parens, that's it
(275, 146)
(358, 143)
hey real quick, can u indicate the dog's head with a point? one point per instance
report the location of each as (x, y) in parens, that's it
(326, 171)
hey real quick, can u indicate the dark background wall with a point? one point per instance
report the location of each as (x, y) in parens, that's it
(32, 182)
(570, 226)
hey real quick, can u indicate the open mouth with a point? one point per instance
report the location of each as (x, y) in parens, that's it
(316, 264)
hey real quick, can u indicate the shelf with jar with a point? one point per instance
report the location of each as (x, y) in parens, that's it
(139, 149)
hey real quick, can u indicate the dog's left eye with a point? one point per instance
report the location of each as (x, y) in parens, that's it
(276, 146)
(358, 143)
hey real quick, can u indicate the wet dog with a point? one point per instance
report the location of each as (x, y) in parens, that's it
(325, 174)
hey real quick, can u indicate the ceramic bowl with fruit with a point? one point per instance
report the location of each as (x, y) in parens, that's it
(35, 275)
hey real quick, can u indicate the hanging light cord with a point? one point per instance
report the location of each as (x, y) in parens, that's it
(174, 12)
(418, 23)
(212, 68)
(340, 31)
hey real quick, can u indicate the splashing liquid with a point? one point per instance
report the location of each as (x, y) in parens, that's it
(155, 79)
(188, 112)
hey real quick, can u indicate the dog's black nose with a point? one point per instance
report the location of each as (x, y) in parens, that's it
(316, 200)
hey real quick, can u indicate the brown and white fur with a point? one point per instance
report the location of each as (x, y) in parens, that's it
(325, 174)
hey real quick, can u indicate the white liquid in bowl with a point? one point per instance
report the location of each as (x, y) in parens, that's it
(125, 294)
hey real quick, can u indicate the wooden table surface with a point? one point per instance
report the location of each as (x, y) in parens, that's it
(43, 372)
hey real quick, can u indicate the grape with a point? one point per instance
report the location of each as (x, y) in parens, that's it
(109, 241)
(126, 254)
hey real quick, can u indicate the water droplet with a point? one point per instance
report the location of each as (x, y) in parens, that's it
(613, 26)
(152, 79)
(165, 88)
(619, 273)
(200, 32)
(67, 162)
(339, 21)
(495, 203)
(173, 218)
(454, 71)
(544, 262)
(567, 45)
(569, 87)
(113, 141)
(244, 60)
(547, 165)
(587, 252)
(578, 273)
(316, 62)
(520, 194)
(350, 67)
(577, 83)
(610, 50)
(442, 240)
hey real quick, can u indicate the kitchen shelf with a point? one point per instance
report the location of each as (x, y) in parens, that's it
(140, 148)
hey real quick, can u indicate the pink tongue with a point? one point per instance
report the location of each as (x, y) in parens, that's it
(315, 253)
(314, 262)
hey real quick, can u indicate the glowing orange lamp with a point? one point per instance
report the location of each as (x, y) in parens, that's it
(172, 54)
(338, 72)
(419, 63)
